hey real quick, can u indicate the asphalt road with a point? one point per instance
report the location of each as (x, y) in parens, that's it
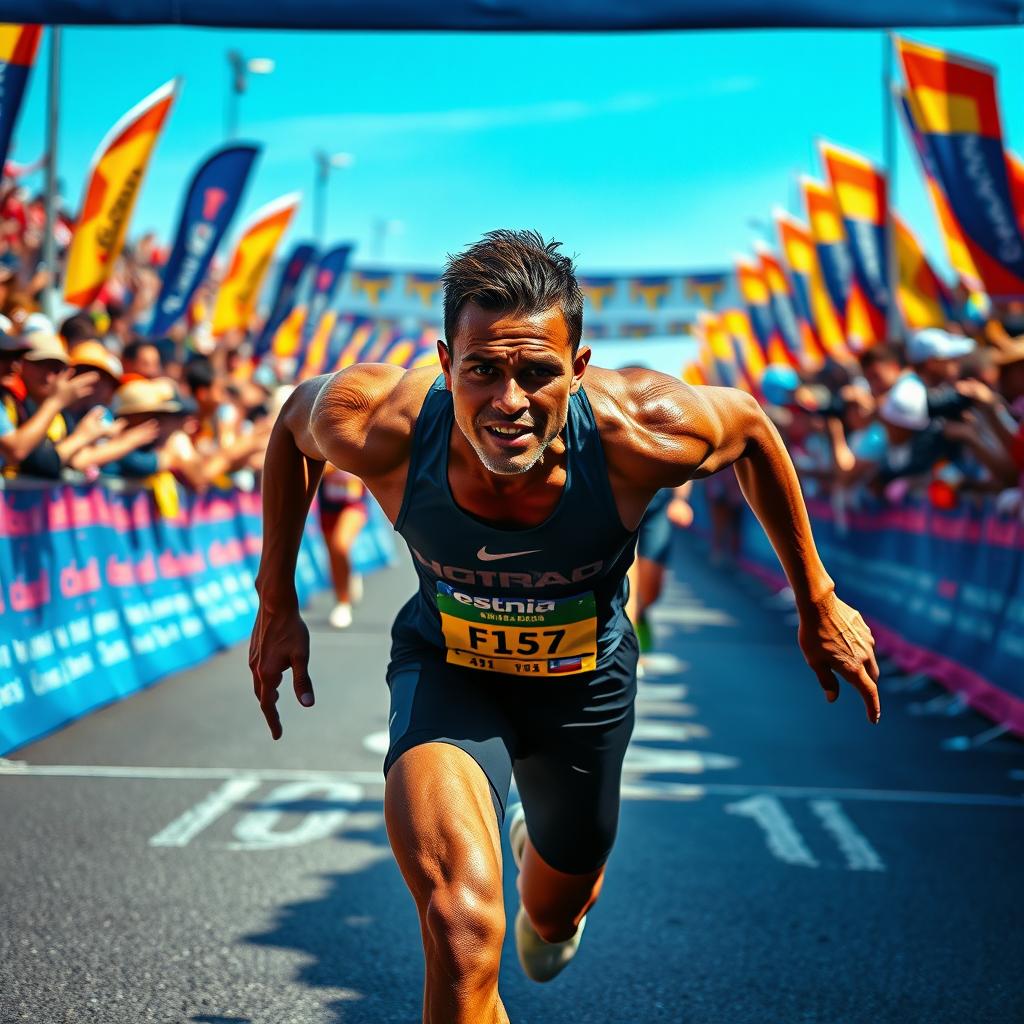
(779, 859)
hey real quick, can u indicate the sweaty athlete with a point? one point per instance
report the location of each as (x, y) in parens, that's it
(518, 478)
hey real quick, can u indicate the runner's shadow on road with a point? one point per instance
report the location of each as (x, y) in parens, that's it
(361, 935)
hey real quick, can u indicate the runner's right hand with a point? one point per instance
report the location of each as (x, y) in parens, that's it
(280, 641)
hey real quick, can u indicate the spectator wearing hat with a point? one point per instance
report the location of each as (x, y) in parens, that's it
(94, 357)
(22, 432)
(141, 360)
(45, 374)
(934, 355)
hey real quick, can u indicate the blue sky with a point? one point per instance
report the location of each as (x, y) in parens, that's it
(638, 151)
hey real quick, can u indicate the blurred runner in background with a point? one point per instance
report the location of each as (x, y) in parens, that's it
(343, 514)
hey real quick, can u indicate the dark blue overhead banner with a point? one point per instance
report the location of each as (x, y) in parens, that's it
(519, 15)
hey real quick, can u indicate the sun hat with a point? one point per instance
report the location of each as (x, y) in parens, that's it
(906, 404)
(97, 356)
(935, 343)
(42, 345)
(147, 396)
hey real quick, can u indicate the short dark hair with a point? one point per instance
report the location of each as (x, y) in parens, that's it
(135, 346)
(199, 373)
(880, 354)
(513, 272)
(79, 327)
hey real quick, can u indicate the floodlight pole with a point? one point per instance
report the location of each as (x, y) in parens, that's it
(49, 253)
(893, 320)
(323, 172)
(236, 62)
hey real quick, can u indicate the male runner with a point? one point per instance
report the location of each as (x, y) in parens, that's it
(518, 490)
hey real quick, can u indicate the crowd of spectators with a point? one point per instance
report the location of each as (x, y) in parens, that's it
(939, 415)
(89, 396)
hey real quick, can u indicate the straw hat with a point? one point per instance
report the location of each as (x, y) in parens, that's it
(97, 356)
(42, 345)
(147, 396)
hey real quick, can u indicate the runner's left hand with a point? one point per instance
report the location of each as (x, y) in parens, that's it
(835, 640)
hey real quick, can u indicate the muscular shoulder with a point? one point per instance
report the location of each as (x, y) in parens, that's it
(661, 429)
(363, 417)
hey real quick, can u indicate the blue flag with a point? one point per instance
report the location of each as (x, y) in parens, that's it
(210, 205)
(18, 46)
(325, 284)
(288, 282)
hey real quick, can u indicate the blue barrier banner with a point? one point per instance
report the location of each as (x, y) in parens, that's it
(516, 15)
(100, 596)
(943, 591)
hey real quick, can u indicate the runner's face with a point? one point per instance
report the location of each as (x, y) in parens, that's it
(510, 377)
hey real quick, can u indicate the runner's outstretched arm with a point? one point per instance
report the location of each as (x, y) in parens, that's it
(833, 636)
(668, 432)
(351, 420)
(291, 472)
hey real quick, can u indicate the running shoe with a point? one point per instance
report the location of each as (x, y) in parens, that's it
(341, 615)
(540, 960)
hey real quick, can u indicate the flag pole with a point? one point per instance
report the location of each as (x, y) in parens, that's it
(893, 321)
(49, 253)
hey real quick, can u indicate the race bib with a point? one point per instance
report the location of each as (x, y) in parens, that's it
(521, 636)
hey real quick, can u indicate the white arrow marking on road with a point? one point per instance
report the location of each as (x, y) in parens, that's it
(183, 830)
(256, 831)
(780, 832)
(853, 844)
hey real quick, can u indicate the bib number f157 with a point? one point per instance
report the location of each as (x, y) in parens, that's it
(520, 636)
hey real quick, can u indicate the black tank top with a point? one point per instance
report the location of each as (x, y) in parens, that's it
(542, 601)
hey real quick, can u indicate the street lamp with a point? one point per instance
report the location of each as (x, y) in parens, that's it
(324, 163)
(383, 228)
(241, 68)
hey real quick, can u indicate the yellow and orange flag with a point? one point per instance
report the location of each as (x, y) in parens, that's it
(254, 251)
(112, 186)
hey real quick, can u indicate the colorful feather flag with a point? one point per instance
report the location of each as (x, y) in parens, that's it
(953, 103)
(112, 187)
(821, 324)
(830, 243)
(862, 198)
(757, 299)
(210, 202)
(786, 324)
(18, 47)
(959, 255)
(924, 299)
(254, 252)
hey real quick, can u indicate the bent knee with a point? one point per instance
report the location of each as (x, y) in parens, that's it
(464, 925)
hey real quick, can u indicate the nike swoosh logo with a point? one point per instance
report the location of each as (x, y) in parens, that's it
(485, 556)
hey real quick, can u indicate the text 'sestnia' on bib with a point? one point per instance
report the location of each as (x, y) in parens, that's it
(523, 636)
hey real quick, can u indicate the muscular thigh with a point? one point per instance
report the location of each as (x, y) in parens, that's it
(570, 771)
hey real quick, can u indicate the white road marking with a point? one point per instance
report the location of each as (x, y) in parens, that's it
(659, 730)
(377, 742)
(683, 762)
(660, 691)
(648, 790)
(257, 829)
(853, 844)
(183, 830)
(781, 835)
(665, 707)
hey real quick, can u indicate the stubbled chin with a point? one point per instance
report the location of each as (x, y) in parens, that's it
(504, 465)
